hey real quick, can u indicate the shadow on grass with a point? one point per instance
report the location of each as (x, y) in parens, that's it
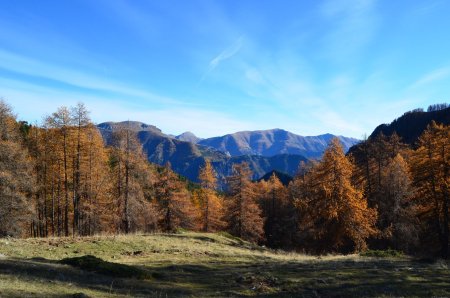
(368, 278)
(49, 272)
(339, 278)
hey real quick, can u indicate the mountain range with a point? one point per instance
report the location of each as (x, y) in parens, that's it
(271, 142)
(263, 150)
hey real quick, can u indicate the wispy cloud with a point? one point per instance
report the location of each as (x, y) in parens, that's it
(171, 119)
(80, 79)
(351, 25)
(227, 53)
(433, 76)
(224, 55)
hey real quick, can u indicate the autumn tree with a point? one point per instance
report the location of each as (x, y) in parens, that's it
(242, 214)
(278, 210)
(80, 118)
(94, 199)
(61, 121)
(176, 209)
(397, 220)
(210, 205)
(16, 179)
(334, 214)
(431, 163)
(132, 179)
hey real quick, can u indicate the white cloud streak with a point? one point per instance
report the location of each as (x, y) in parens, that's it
(433, 76)
(351, 23)
(80, 79)
(224, 55)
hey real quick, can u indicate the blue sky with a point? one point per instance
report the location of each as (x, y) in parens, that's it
(216, 67)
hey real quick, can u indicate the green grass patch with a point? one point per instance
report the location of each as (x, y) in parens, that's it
(97, 265)
(229, 236)
(205, 265)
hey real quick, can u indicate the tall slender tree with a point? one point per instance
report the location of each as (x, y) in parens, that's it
(243, 215)
(176, 209)
(211, 209)
(62, 120)
(431, 162)
(80, 118)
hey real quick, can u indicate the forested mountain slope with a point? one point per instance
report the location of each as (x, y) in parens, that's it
(186, 158)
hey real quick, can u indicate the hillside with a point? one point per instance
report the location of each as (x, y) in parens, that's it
(411, 124)
(186, 158)
(273, 142)
(202, 265)
(284, 178)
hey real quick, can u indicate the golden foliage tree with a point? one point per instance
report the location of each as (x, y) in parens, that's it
(278, 210)
(132, 180)
(242, 214)
(16, 178)
(210, 205)
(334, 213)
(61, 122)
(431, 163)
(176, 209)
(396, 211)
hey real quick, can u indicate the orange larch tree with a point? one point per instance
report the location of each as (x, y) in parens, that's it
(242, 213)
(334, 213)
(210, 205)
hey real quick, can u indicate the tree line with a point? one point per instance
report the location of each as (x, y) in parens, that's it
(59, 179)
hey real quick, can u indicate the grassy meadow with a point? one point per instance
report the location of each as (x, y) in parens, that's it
(203, 265)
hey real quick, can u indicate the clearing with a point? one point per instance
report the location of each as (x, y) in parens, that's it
(200, 265)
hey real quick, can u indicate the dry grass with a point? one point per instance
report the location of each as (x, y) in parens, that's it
(199, 265)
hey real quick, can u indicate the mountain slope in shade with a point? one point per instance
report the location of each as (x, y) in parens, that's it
(412, 124)
(284, 178)
(187, 158)
(409, 126)
(273, 142)
(188, 137)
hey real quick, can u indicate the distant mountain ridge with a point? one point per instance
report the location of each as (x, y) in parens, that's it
(188, 137)
(269, 143)
(264, 151)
